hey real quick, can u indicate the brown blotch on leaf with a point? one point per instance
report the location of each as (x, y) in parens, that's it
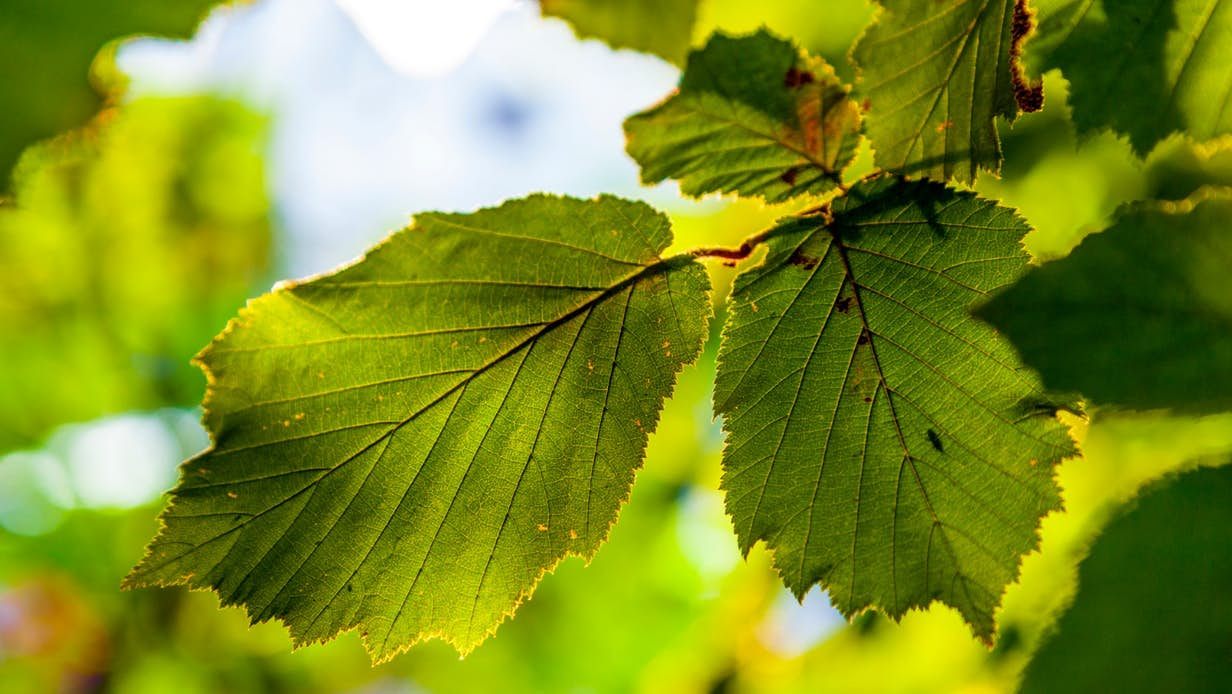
(789, 176)
(796, 78)
(866, 105)
(842, 304)
(801, 259)
(863, 339)
(1029, 95)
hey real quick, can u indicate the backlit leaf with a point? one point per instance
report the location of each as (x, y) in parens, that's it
(753, 116)
(661, 27)
(937, 74)
(881, 441)
(1138, 316)
(408, 444)
(1145, 68)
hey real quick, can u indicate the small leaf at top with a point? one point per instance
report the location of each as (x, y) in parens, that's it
(661, 27)
(408, 444)
(753, 116)
(881, 441)
(1145, 68)
(1139, 315)
(937, 74)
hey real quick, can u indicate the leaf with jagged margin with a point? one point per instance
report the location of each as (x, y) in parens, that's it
(1152, 612)
(661, 27)
(881, 441)
(937, 74)
(408, 444)
(1144, 68)
(1139, 315)
(753, 116)
(46, 50)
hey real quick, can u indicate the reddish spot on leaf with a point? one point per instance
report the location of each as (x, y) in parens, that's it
(802, 259)
(867, 105)
(796, 77)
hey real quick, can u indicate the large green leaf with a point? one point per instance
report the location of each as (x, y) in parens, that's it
(882, 441)
(46, 49)
(753, 116)
(1152, 612)
(409, 444)
(1138, 316)
(662, 27)
(937, 75)
(124, 250)
(1145, 68)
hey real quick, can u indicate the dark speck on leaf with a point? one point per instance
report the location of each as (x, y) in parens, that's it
(803, 260)
(789, 176)
(796, 77)
(935, 441)
(842, 304)
(863, 338)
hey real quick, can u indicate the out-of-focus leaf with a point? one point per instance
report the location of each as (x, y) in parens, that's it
(46, 50)
(127, 245)
(936, 76)
(409, 444)
(1179, 167)
(1152, 612)
(661, 27)
(1145, 68)
(881, 441)
(753, 116)
(1138, 316)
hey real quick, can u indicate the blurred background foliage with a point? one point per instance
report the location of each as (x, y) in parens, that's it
(127, 244)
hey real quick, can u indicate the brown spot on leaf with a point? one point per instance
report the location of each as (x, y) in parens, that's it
(866, 105)
(796, 78)
(802, 259)
(842, 304)
(863, 339)
(1029, 95)
(789, 176)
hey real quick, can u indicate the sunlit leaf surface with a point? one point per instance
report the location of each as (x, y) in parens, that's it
(752, 116)
(661, 27)
(937, 74)
(408, 444)
(1145, 68)
(881, 441)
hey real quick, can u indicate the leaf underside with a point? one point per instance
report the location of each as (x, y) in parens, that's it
(937, 74)
(1150, 297)
(661, 27)
(1146, 68)
(408, 444)
(880, 440)
(753, 116)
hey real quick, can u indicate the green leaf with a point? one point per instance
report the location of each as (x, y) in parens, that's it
(1138, 316)
(126, 247)
(1145, 68)
(407, 445)
(661, 27)
(46, 49)
(753, 116)
(1152, 612)
(937, 75)
(881, 441)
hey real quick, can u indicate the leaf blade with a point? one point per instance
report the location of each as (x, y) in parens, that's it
(892, 462)
(1147, 302)
(753, 116)
(493, 438)
(934, 118)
